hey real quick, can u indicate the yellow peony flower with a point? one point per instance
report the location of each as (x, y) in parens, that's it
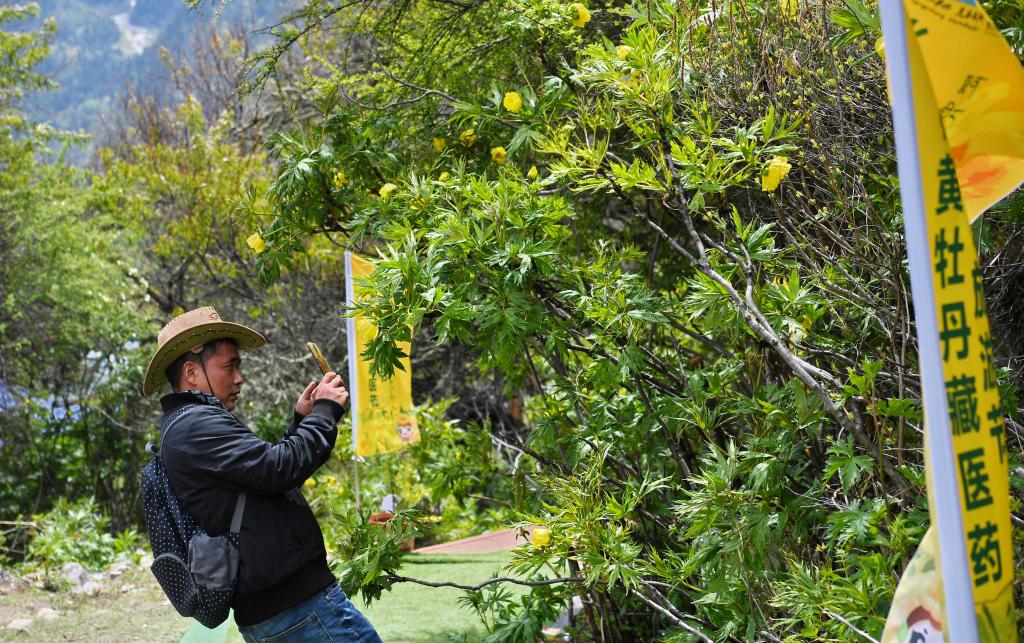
(256, 242)
(623, 52)
(468, 138)
(532, 173)
(513, 102)
(773, 174)
(443, 177)
(438, 143)
(499, 155)
(541, 536)
(386, 189)
(582, 15)
(340, 179)
(310, 482)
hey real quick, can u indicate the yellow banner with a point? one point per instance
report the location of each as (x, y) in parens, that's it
(977, 88)
(968, 92)
(382, 414)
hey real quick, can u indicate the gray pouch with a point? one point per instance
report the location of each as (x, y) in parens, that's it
(213, 560)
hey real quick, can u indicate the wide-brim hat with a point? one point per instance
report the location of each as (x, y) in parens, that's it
(187, 331)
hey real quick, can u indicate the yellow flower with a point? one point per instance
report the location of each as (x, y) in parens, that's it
(443, 177)
(310, 482)
(541, 536)
(532, 173)
(467, 138)
(513, 102)
(256, 242)
(340, 179)
(623, 51)
(499, 155)
(880, 47)
(386, 189)
(772, 175)
(330, 480)
(438, 143)
(582, 15)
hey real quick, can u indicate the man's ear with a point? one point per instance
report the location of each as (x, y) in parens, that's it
(188, 375)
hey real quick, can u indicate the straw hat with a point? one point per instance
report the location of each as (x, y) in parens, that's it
(187, 331)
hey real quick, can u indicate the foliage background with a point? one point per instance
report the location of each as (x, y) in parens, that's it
(701, 379)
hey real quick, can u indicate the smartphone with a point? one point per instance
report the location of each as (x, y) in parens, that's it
(319, 357)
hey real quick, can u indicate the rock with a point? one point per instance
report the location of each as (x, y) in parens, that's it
(47, 613)
(118, 568)
(88, 588)
(20, 624)
(568, 615)
(75, 574)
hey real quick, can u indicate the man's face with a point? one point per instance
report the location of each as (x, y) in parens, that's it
(224, 370)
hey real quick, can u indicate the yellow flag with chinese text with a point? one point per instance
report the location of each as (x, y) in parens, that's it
(977, 87)
(968, 90)
(383, 419)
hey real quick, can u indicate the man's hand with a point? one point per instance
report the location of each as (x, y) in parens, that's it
(304, 405)
(332, 388)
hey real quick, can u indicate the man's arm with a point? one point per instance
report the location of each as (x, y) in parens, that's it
(220, 449)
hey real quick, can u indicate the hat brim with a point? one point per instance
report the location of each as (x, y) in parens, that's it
(175, 347)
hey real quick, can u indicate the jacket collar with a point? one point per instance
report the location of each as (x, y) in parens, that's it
(175, 401)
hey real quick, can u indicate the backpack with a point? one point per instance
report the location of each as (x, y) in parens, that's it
(197, 572)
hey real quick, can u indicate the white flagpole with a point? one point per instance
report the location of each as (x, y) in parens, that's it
(353, 370)
(960, 621)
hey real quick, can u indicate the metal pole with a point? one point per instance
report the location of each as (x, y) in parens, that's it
(355, 472)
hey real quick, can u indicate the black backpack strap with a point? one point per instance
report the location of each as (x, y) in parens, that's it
(236, 518)
(154, 449)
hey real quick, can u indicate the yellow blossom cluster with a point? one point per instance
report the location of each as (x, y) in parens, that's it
(774, 172)
(256, 242)
(541, 536)
(513, 102)
(581, 13)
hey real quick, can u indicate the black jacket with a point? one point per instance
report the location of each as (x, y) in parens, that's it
(210, 457)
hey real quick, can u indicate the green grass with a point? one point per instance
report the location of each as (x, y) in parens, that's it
(412, 613)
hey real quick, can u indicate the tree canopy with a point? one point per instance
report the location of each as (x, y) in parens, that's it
(649, 257)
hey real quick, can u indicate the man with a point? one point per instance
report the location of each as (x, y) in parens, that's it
(285, 591)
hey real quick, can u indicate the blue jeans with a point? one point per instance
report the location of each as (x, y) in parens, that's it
(326, 616)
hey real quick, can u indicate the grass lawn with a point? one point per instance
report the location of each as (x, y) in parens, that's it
(132, 608)
(412, 613)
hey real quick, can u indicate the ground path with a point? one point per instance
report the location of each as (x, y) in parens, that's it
(132, 607)
(413, 613)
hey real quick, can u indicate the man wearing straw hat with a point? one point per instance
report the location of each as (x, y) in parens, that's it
(285, 591)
